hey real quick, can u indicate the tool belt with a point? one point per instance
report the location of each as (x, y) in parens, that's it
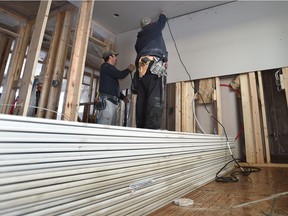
(115, 100)
(155, 64)
(99, 103)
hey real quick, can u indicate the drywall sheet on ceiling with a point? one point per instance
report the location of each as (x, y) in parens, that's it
(234, 38)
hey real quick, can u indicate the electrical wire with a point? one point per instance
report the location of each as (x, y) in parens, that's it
(244, 170)
(218, 122)
(42, 108)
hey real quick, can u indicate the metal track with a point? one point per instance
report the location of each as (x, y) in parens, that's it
(50, 167)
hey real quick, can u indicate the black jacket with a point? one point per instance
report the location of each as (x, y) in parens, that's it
(150, 40)
(109, 76)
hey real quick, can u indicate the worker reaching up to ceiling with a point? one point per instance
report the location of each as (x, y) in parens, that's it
(150, 75)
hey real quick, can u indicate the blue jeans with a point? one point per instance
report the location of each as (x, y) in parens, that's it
(108, 116)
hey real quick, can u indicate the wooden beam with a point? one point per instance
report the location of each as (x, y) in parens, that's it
(219, 105)
(188, 120)
(49, 65)
(15, 16)
(247, 119)
(285, 82)
(32, 57)
(63, 8)
(264, 118)
(256, 118)
(62, 50)
(77, 61)
(5, 48)
(15, 66)
(97, 42)
(183, 107)
(20, 63)
(91, 87)
(8, 32)
(264, 165)
(178, 106)
(133, 107)
(95, 76)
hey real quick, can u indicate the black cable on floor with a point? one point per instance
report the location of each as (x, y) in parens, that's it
(217, 178)
(243, 170)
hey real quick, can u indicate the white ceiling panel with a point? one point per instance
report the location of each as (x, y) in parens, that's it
(130, 12)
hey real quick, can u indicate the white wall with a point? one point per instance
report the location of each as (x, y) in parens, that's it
(234, 38)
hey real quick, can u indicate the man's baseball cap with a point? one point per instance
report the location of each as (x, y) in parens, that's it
(108, 53)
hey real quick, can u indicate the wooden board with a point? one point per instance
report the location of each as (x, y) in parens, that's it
(32, 57)
(264, 118)
(247, 119)
(256, 119)
(76, 69)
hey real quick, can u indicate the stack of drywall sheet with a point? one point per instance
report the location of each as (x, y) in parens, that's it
(50, 167)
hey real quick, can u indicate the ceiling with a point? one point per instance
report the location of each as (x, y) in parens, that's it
(130, 12)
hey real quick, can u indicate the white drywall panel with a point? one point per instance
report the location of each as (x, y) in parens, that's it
(233, 38)
(51, 167)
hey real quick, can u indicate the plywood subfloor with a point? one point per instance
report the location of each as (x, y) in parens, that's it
(262, 193)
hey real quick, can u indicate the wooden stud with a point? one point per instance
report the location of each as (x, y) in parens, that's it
(91, 87)
(66, 7)
(265, 165)
(85, 113)
(5, 48)
(133, 107)
(178, 111)
(187, 112)
(32, 57)
(107, 44)
(8, 32)
(170, 106)
(219, 105)
(256, 118)
(247, 119)
(15, 66)
(97, 42)
(77, 61)
(285, 82)
(264, 118)
(16, 16)
(50, 63)
(58, 70)
(19, 66)
(183, 106)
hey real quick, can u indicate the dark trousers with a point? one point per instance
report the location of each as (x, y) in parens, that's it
(150, 101)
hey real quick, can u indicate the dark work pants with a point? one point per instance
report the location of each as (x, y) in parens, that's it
(150, 101)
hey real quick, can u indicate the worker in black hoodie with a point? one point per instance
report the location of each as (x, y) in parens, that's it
(109, 87)
(150, 75)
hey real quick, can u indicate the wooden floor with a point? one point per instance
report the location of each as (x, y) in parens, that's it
(262, 193)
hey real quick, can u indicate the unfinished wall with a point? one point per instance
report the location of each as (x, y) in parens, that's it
(234, 38)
